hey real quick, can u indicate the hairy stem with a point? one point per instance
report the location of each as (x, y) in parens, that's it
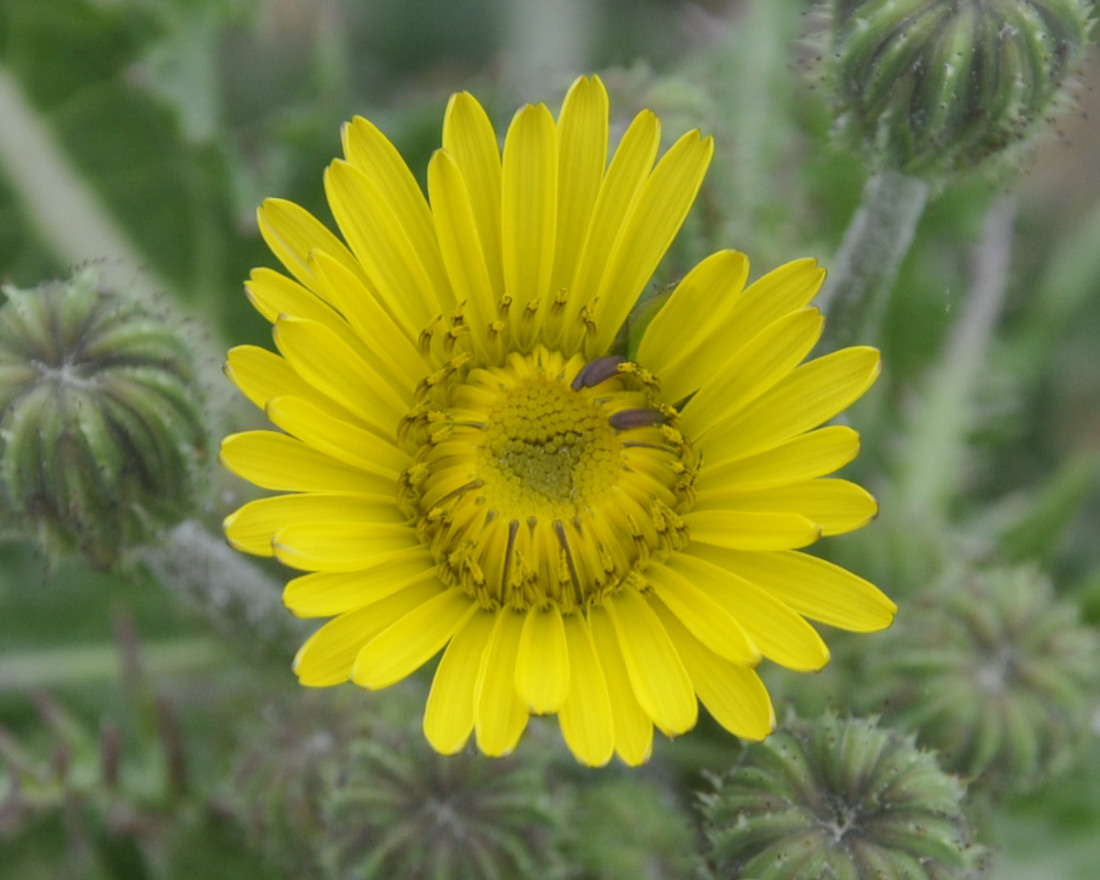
(864, 269)
(231, 593)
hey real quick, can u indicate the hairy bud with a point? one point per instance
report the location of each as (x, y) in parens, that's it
(846, 800)
(933, 86)
(997, 674)
(340, 791)
(100, 425)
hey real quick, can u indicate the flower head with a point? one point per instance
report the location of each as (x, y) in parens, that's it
(467, 466)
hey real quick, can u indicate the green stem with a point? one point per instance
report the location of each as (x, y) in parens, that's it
(235, 597)
(864, 269)
(937, 437)
(752, 122)
(546, 42)
(86, 664)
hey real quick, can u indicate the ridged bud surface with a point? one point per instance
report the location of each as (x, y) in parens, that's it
(995, 672)
(843, 800)
(367, 798)
(100, 425)
(403, 811)
(930, 86)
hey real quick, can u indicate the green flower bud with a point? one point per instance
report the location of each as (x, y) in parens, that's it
(845, 800)
(336, 789)
(277, 787)
(100, 427)
(401, 810)
(996, 673)
(933, 86)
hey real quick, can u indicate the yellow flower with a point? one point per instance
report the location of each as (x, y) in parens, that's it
(467, 468)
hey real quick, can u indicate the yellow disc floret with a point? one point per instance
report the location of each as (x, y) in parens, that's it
(546, 478)
(548, 451)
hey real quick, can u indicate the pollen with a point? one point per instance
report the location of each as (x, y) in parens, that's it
(546, 479)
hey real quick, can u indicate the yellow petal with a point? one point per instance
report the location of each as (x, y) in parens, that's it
(463, 255)
(371, 152)
(449, 714)
(582, 156)
(500, 716)
(750, 371)
(339, 545)
(657, 676)
(261, 375)
(708, 621)
(326, 593)
(319, 357)
(292, 232)
(285, 464)
(751, 531)
(781, 634)
(836, 506)
(469, 139)
(334, 437)
(786, 289)
(812, 394)
(327, 656)
(803, 457)
(620, 186)
(407, 644)
(813, 587)
(677, 346)
(251, 528)
(542, 663)
(632, 726)
(382, 247)
(272, 295)
(733, 694)
(585, 716)
(381, 338)
(529, 192)
(649, 227)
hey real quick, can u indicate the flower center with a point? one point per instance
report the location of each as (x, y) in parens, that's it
(546, 478)
(548, 452)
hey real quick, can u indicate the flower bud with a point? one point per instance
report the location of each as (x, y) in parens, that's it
(343, 790)
(996, 673)
(842, 799)
(401, 810)
(100, 425)
(933, 86)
